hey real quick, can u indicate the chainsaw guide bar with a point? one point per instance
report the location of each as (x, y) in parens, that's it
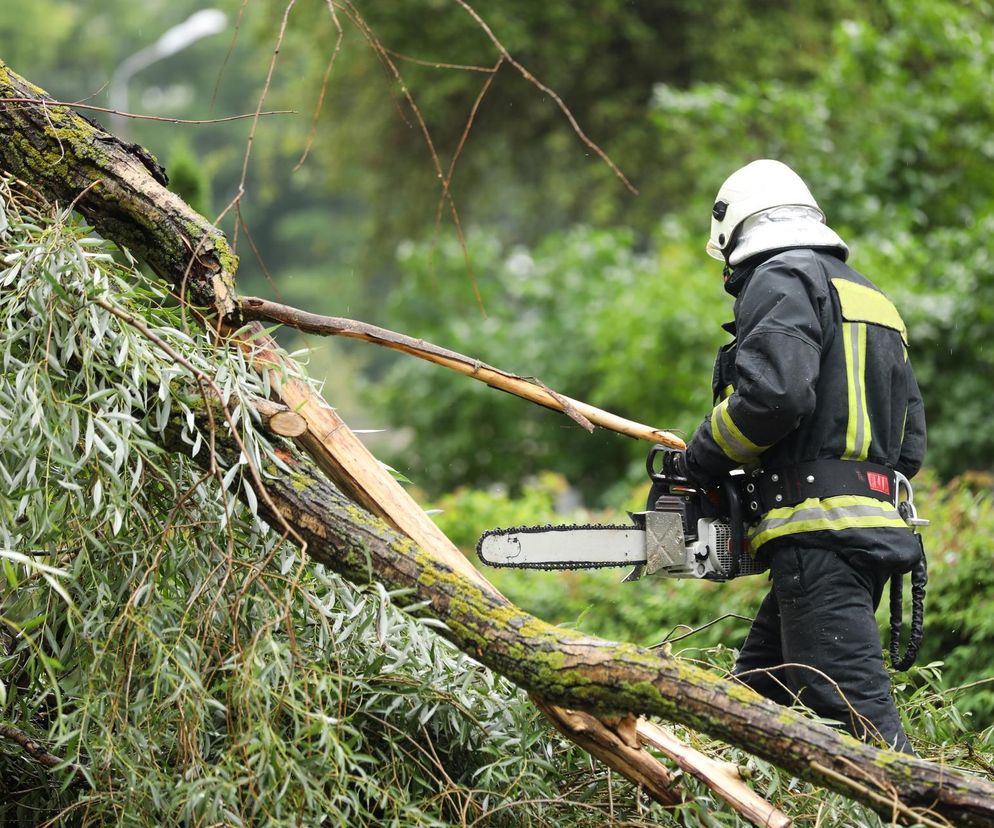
(514, 547)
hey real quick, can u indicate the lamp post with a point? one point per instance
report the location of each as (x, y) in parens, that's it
(198, 25)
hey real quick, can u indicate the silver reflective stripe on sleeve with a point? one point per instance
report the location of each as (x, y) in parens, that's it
(858, 435)
(729, 437)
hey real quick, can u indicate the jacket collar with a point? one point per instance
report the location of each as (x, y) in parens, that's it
(739, 277)
(736, 281)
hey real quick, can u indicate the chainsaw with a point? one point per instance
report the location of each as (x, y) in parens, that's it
(687, 532)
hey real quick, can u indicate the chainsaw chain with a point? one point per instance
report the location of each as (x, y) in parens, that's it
(550, 567)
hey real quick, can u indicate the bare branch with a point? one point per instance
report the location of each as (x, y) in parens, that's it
(37, 751)
(324, 85)
(528, 76)
(163, 119)
(392, 70)
(262, 96)
(262, 309)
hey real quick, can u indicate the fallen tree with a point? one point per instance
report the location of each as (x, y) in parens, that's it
(121, 192)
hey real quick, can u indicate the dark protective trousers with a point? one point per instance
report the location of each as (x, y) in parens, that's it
(819, 613)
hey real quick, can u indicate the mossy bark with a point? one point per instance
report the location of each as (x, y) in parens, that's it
(574, 670)
(120, 190)
(118, 187)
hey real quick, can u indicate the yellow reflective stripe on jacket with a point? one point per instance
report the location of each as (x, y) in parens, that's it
(832, 513)
(858, 430)
(730, 438)
(860, 303)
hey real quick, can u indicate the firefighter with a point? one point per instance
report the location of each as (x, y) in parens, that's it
(816, 399)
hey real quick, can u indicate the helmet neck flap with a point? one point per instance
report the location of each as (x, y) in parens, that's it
(781, 228)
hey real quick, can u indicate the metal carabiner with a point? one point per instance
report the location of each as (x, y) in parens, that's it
(906, 508)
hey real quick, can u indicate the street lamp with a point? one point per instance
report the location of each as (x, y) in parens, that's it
(200, 24)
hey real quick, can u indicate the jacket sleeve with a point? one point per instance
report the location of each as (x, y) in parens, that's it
(913, 442)
(777, 363)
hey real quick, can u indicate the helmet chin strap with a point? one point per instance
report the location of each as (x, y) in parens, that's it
(727, 270)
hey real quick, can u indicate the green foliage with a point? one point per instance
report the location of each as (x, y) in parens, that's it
(155, 633)
(884, 107)
(961, 584)
(195, 668)
(905, 177)
(587, 315)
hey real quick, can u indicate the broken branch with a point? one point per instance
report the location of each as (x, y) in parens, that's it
(262, 309)
(37, 751)
(727, 784)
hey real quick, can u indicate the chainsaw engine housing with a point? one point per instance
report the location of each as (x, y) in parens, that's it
(686, 537)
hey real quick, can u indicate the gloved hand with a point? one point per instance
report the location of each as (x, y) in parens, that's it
(684, 466)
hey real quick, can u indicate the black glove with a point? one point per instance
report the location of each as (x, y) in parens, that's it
(693, 473)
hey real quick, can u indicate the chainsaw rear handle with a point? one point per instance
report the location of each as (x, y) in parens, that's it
(736, 541)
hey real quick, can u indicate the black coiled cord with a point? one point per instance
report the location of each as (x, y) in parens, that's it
(919, 578)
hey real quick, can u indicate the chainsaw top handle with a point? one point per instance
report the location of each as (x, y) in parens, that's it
(664, 476)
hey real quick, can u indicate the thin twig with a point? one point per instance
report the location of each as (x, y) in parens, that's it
(392, 70)
(695, 630)
(256, 253)
(856, 718)
(528, 76)
(447, 182)
(265, 92)
(227, 55)
(37, 752)
(896, 804)
(324, 86)
(138, 117)
(435, 64)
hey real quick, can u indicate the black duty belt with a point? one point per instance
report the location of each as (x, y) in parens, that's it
(828, 477)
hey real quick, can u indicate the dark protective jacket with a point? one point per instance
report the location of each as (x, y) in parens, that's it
(818, 368)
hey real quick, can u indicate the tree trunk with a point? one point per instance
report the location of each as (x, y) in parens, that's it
(70, 159)
(609, 678)
(119, 187)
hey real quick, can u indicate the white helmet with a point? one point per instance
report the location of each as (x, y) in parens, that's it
(764, 206)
